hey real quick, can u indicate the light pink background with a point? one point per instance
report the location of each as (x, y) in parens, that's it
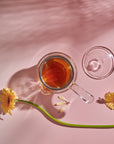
(21, 47)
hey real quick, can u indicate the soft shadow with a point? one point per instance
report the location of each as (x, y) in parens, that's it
(24, 82)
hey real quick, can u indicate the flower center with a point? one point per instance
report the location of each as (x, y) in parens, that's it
(8, 100)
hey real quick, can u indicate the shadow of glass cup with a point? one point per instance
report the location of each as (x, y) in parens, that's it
(56, 73)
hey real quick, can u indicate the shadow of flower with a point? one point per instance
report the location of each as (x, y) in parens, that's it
(24, 82)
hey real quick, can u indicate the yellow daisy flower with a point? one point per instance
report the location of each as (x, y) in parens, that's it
(7, 99)
(109, 100)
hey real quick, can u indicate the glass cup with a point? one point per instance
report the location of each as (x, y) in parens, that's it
(98, 62)
(57, 73)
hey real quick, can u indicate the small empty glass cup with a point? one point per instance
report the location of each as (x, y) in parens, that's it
(57, 73)
(98, 62)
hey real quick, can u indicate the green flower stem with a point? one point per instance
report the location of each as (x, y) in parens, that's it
(64, 123)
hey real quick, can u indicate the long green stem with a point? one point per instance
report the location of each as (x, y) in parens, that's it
(64, 123)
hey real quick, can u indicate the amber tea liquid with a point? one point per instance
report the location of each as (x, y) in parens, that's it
(56, 72)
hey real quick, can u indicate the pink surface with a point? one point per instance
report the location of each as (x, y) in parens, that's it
(22, 44)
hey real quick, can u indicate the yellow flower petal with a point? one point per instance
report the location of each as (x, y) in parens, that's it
(62, 98)
(63, 108)
(60, 103)
(109, 100)
(7, 98)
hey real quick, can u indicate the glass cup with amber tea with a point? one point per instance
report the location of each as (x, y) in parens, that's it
(57, 73)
